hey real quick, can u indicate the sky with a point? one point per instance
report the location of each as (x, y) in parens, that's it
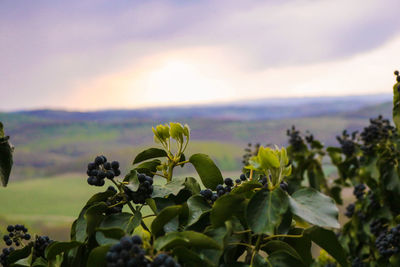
(103, 54)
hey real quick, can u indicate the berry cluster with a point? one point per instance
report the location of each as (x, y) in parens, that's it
(101, 169)
(295, 139)
(347, 143)
(379, 130)
(377, 227)
(164, 260)
(144, 190)
(359, 191)
(4, 255)
(40, 245)
(374, 202)
(209, 195)
(16, 233)
(388, 242)
(127, 252)
(350, 210)
(357, 262)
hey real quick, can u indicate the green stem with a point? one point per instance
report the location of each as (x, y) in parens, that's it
(255, 250)
(182, 162)
(276, 236)
(240, 244)
(141, 221)
(161, 175)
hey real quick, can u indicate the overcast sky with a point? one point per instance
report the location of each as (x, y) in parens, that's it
(85, 55)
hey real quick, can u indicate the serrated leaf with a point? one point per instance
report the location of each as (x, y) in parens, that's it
(209, 173)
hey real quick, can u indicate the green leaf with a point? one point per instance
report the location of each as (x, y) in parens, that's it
(148, 167)
(173, 187)
(166, 215)
(97, 257)
(209, 173)
(176, 131)
(198, 207)
(314, 207)
(94, 216)
(225, 207)
(268, 159)
(246, 186)
(396, 106)
(277, 245)
(20, 254)
(185, 238)
(192, 185)
(6, 157)
(106, 236)
(283, 259)
(265, 210)
(150, 153)
(327, 240)
(125, 221)
(56, 248)
(189, 257)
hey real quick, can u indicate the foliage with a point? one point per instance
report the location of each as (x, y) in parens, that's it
(249, 222)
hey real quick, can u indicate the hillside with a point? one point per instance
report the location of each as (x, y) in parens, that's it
(55, 142)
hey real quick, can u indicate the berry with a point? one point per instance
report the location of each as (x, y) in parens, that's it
(359, 191)
(238, 181)
(164, 260)
(350, 210)
(40, 245)
(115, 165)
(228, 182)
(111, 188)
(144, 191)
(10, 228)
(9, 242)
(98, 160)
(107, 166)
(91, 166)
(219, 187)
(396, 72)
(128, 252)
(284, 186)
(243, 177)
(27, 236)
(4, 256)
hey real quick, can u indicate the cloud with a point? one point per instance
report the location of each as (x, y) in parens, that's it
(50, 48)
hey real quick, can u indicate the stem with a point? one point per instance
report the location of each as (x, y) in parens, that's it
(154, 173)
(257, 247)
(119, 203)
(240, 244)
(182, 162)
(170, 171)
(141, 221)
(290, 236)
(241, 232)
(251, 175)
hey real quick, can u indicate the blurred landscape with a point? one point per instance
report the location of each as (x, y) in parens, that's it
(53, 147)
